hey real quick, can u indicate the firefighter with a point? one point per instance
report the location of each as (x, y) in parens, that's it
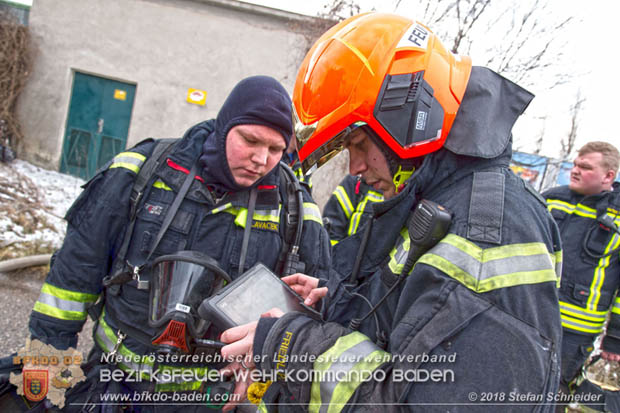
(223, 183)
(475, 322)
(586, 211)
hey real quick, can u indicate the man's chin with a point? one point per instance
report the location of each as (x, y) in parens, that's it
(576, 188)
(246, 182)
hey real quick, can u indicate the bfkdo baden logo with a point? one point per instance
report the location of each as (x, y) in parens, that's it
(35, 384)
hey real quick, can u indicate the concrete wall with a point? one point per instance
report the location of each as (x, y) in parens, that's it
(163, 47)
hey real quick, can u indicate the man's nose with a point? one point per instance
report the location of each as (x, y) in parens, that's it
(259, 156)
(357, 164)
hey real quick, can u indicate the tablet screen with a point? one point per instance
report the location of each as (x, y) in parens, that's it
(255, 295)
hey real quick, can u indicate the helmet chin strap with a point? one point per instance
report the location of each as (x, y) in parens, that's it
(401, 176)
(400, 169)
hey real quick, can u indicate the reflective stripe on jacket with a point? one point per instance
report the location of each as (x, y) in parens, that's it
(349, 207)
(589, 284)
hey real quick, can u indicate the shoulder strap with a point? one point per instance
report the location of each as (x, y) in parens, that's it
(162, 148)
(486, 207)
(288, 260)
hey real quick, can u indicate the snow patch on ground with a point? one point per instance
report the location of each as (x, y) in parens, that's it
(33, 202)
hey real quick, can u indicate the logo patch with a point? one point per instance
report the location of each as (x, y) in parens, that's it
(420, 122)
(35, 384)
(154, 209)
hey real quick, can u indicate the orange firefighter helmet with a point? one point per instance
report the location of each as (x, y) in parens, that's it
(384, 71)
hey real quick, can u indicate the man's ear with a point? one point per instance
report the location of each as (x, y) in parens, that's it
(609, 177)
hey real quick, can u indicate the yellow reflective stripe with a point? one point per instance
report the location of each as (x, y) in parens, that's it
(221, 208)
(344, 201)
(374, 196)
(398, 255)
(345, 389)
(128, 160)
(333, 241)
(68, 294)
(63, 304)
(575, 311)
(106, 339)
(324, 361)
(350, 355)
(161, 185)
(58, 313)
(354, 222)
(616, 308)
(262, 408)
(579, 209)
(559, 257)
(312, 212)
(581, 325)
(600, 271)
(483, 270)
(370, 196)
(599, 274)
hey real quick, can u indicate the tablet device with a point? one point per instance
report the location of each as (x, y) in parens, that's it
(257, 291)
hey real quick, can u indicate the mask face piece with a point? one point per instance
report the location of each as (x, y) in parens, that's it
(180, 282)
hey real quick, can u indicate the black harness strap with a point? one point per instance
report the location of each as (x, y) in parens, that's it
(247, 229)
(161, 150)
(486, 207)
(288, 260)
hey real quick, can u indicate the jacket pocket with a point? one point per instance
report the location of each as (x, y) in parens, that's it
(598, 242)
(149, 221)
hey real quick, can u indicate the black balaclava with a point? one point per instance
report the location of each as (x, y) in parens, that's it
(256, 100)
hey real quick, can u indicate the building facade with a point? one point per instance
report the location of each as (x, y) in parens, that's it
(109, 73)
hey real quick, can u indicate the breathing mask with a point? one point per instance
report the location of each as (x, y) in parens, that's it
(180, 282)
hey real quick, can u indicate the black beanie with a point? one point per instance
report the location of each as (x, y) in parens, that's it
(257, 100)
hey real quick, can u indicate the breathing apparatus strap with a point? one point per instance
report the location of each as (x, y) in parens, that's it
(247, 229)
(124, 276)
(174, 208)
(288, 259)
(129, 330)
(161, 150)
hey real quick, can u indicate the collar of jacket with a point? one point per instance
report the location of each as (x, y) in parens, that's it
(184, 155)
(609, 198)
(480, 138)
(490, 107)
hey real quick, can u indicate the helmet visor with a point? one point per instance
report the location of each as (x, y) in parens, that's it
(326, 151)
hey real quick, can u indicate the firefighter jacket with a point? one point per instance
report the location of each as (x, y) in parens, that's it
(349, 207)
(98, 220)
(591, 276)
(475, 321)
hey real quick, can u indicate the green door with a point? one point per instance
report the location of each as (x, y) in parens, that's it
(98, 122)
